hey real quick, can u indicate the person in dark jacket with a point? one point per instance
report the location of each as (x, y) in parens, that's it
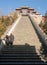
(7, 40)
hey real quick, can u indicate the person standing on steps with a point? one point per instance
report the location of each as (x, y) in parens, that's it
(11, 39)
(7, 40)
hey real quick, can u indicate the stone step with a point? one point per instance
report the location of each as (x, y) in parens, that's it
(18, 52)
(18, 55)
(20, 60)
(23, 63)
(19, 49)
(18, 46)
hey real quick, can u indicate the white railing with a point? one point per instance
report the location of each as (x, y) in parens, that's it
(38, 31)
(9, 31)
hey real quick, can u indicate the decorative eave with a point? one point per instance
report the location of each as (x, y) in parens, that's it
(18, 9)
(24, 7)
(37, 13)
(31, 9)
(34, 12)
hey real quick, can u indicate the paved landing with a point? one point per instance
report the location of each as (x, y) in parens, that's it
(25, 33)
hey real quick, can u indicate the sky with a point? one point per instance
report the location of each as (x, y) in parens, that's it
(10, 5)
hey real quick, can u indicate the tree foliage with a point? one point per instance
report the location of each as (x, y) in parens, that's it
(44, 25)
(5, 22)
(2, 28)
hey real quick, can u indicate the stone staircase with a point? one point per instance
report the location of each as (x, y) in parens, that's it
(19, 55)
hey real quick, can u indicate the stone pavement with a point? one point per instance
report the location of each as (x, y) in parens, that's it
(25, 33)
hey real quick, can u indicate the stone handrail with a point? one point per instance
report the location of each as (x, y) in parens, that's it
(38, 31)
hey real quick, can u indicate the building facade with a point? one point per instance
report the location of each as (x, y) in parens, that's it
(25, 10)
